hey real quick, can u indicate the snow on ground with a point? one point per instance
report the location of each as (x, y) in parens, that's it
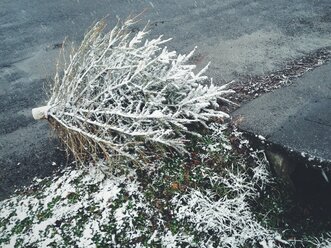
(84, 207)
(174, 203)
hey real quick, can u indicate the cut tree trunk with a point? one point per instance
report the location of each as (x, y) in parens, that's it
(40, 113)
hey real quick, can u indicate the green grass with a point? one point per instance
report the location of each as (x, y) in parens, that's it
(141, 206)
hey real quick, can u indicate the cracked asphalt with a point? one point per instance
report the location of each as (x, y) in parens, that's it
(238, 37)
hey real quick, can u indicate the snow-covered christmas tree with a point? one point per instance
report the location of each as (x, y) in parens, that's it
(125, 97)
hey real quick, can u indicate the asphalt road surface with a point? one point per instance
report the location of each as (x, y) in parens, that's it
(238, 37)
(297, 117)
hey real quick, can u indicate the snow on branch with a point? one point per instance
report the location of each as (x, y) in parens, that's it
(229, 219)
(121, 95)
